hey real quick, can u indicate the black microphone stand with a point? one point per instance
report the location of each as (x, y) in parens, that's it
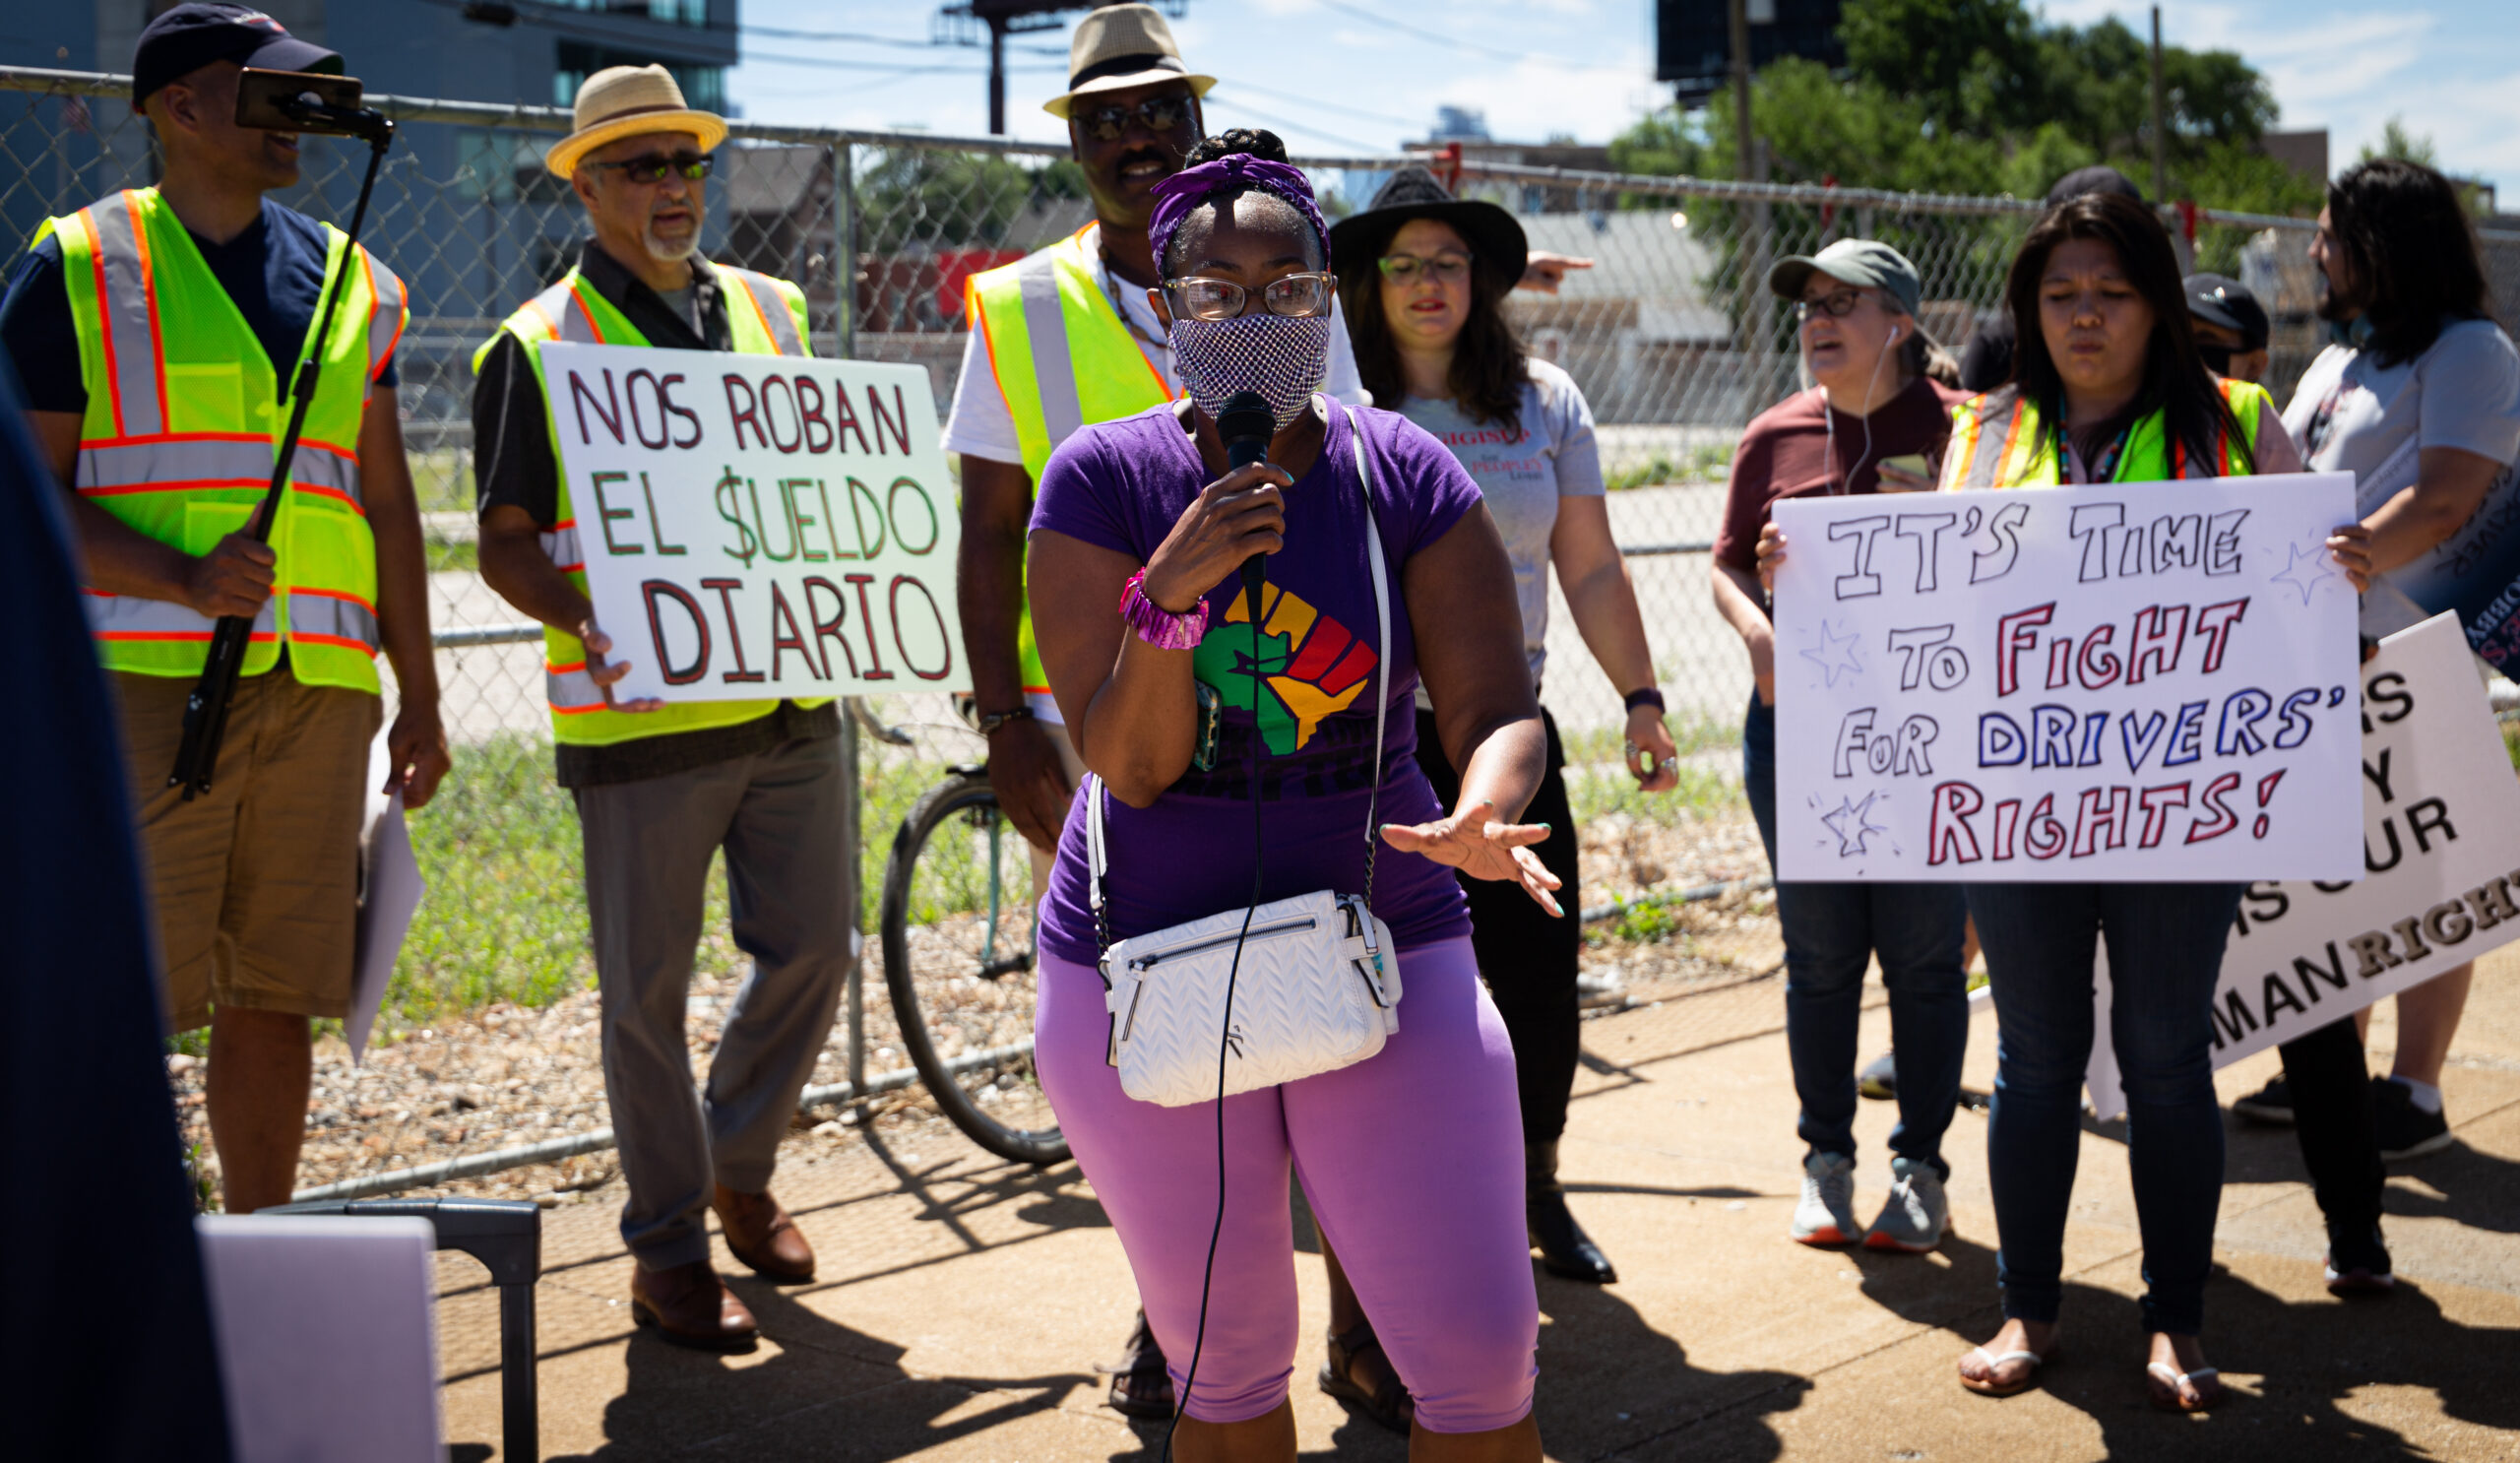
(206, 710)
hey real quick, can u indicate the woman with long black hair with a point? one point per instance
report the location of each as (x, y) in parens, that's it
(2108, 387)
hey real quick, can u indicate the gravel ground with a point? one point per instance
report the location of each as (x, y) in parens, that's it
(504, 1075)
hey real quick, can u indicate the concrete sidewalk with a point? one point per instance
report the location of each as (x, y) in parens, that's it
(964, 1303)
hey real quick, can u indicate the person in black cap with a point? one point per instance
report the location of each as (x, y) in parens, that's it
(2231, 330)
(141, 381)
(1986, 362)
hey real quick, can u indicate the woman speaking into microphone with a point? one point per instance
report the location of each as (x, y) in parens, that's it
(1234, 765)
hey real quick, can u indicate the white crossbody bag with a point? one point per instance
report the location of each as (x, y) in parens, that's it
(1318, 985)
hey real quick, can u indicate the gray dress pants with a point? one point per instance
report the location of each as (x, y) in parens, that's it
(777, 815)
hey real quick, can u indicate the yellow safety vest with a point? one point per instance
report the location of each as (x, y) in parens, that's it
(1995, 442)
(765, 317)
(1062, 358)
(184, 416)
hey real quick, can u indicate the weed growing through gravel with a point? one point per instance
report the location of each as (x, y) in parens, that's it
(505, 916)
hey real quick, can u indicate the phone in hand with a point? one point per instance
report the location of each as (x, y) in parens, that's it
(1914, 464)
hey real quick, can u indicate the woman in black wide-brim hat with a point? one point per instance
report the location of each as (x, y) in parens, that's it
(1424, 276)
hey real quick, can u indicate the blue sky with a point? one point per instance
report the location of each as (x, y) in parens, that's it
(1335, 74)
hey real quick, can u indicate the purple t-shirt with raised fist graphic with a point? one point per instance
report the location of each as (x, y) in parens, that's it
(1121, 485)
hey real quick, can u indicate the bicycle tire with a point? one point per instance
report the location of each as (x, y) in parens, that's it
(966, 793)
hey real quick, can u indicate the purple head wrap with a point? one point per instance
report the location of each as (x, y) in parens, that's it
(1177, 195)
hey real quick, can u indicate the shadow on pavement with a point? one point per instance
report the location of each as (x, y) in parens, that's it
(821, 1390)
(2307, 1360)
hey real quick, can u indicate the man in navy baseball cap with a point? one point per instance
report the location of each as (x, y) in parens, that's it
(189, 37)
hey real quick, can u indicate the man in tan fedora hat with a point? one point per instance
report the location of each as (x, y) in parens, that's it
(661, 790)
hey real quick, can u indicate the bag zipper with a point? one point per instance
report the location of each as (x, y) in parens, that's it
(1129, 1023)
(1150, 961)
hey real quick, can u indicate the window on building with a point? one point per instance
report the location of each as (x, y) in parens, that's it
(693, 13)
(703, 87)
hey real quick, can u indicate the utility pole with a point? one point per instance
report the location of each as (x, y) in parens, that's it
(2160, 168)
(963, 23)
(1740, 18)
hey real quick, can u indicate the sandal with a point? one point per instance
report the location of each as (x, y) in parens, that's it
(1388, 1404)
(1986, 1387)
(1141, 1386)
(2170, 1387)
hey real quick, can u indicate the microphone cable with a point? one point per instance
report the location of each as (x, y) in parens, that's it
(1254, 574)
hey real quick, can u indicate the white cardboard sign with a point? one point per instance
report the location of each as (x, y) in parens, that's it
(2116, 683)
(760, 526)
(2441, 847)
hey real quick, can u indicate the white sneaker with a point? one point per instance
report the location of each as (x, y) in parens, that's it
(1826, 1213)
(1918, 1216)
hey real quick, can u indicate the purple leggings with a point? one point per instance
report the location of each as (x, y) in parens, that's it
(1414, 1165)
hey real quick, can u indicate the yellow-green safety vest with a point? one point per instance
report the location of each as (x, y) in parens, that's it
(184, 416)
(765, 317)
(1062, 358)
(1995, 442)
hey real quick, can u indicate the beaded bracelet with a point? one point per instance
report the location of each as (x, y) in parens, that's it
(1157, 625)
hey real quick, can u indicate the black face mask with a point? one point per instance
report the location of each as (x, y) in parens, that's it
(2218, 359)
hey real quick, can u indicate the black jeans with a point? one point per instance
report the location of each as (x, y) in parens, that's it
(2333, 1118)
(1527, 958)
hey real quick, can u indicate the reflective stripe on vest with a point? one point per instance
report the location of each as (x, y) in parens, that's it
(1062, 358)
(761, 319)
(1996, 442)
(184, 411)
(135, 349)
(1060, 353)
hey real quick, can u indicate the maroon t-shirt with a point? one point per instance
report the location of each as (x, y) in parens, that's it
(1786, 452)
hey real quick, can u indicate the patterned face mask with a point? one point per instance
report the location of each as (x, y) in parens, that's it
(1283, 360)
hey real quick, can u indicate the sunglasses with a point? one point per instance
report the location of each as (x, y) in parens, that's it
(1837, 302)
(1406, 269)
(653, 167)
(1295, 296)
(1159, 114)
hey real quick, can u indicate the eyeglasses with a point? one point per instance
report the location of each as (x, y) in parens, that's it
(654, 166)
(1158, 115)
(1839, 303)
(1403, 270)
(1295, 296)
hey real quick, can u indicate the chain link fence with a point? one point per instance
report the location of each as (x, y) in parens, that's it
(1672, 335)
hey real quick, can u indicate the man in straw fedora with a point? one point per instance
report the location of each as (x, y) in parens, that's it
(661, 790)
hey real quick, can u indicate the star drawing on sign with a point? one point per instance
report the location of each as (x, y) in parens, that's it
(1852, 823)
(1835, 654)
(2296, 566)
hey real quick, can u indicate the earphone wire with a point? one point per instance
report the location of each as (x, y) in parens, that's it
(1829, 419)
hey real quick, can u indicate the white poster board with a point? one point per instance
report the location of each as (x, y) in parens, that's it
(2130, 681)
(2441, 834)
(760, 526)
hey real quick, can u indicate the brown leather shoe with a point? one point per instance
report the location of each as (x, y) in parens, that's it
(689, 1306)
(763, 1237)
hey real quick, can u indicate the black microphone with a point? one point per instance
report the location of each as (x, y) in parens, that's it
(1246, 424)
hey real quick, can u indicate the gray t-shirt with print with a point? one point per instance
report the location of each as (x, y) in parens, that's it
(2350, 414)
(1523, 471)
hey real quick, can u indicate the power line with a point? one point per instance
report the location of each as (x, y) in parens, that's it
(1293, 125)
(859, 38)
(1371, 117)
(1439, 39)
(833, 63)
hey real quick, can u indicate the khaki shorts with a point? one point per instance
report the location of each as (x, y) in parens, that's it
(255, 882)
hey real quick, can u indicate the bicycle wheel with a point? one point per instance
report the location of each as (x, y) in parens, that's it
(957, 920)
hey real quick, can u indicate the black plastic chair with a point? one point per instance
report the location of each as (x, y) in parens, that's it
(506, 1236)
